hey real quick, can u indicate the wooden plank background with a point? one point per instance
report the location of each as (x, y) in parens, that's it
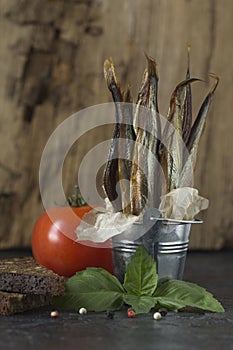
(51, 57)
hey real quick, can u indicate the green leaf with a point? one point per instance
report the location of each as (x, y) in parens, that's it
(141, 277)
(178, 294)
(95, 289)
(140, 304)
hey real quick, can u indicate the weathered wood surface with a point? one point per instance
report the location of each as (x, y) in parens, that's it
(51, 56)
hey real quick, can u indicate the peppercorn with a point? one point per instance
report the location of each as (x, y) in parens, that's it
(110, 314)
(82, 311)
(162, 311)
(157, 316)
(54, 314)
(131, 313)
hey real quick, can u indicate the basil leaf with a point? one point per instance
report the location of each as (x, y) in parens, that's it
(95, 289)
(178, 294)
(173, 305)
(141, 277)
(140, 304)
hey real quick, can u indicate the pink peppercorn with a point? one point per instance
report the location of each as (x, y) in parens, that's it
(131, 313)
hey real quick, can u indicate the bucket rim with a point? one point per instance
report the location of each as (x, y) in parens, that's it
(153, 214)
(177, 221)
(168, 221)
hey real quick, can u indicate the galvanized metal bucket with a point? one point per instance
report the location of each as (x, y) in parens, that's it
(166, 240)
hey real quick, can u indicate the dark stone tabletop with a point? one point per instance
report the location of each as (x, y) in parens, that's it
(213, 270)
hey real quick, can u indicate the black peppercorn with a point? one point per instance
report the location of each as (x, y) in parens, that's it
(162, 311)
(110, 314)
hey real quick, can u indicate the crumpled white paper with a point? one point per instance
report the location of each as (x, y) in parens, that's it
(182, 204)
(100, 224)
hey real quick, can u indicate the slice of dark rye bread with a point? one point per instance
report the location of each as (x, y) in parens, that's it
(25, 276)
(12, 303)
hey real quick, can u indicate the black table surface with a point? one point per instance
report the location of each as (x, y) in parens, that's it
(212, 270)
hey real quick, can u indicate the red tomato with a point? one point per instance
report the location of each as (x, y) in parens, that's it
(53, 243)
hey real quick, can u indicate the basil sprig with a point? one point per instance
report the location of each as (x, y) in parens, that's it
(98, 290)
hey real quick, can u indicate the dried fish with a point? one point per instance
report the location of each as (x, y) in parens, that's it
(195, 135)
(138, 179)
(172, 156)
(143, 184)
(118, 168)
(187, 116)
(111, 175)
(138, 150)
(125, 147)
(153, 103)
(154, 174)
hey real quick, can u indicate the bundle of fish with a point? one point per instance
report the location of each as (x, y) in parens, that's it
(149, 158)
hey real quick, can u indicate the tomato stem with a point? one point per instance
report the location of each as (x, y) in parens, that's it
(76, 199)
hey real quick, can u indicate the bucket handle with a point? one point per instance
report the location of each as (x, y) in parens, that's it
(153, 214)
